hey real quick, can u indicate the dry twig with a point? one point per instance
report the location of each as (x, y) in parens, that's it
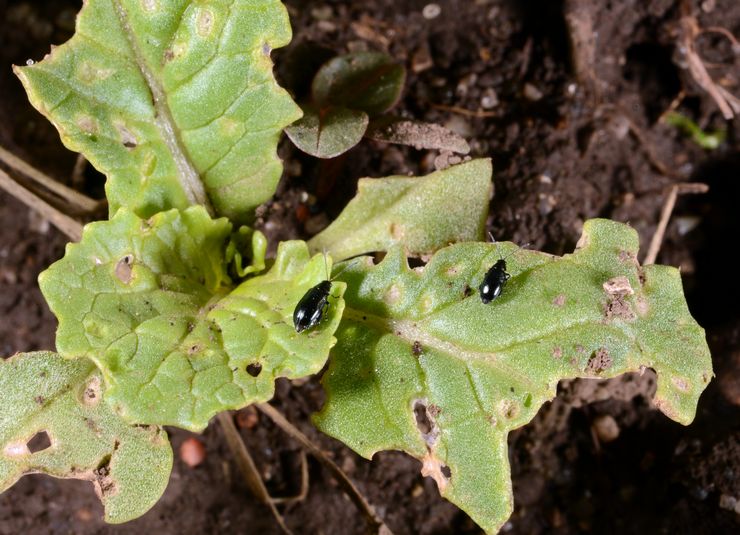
(71, 227)
(247, 467)
(728, 103)
(665, 215)
(346, 483)
(78, 201)
(464, 111)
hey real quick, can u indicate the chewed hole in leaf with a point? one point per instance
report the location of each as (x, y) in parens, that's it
(254, 369)
(432, 467)
(39, 442)
(104, 483)
(124, 269)
(426, 414)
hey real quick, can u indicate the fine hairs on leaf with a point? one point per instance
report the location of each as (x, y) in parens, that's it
(446, 377)
(177, 342)
(42, 392)
(174, 102)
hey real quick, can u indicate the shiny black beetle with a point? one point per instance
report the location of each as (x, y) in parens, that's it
(494, 281)
(495, 278)
(310, 309)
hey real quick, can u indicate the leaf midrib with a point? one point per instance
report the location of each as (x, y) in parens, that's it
(187, 175)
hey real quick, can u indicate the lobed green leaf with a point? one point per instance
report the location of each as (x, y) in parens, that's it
(175, 102)
(44, 393)
(423, 366)
(422, 214)
(151, 303)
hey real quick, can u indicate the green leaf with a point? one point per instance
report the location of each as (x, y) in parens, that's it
(42, 392)
(423, 366)
(174, 102)
(367, 81)
(416, 134)
(151, 304)
(328, 132)
(421, 214)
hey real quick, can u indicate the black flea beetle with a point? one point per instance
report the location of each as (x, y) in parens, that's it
(495, 279)
(310, 309)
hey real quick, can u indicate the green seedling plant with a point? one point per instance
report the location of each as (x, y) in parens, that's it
(351, 96)
(170, 313)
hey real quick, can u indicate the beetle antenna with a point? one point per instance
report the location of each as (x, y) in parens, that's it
(517, 249)
(326, 266)
(345, 267)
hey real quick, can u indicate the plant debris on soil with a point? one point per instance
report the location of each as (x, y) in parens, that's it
(567, 97)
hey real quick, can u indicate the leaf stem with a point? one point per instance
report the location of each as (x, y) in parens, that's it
(188, 176)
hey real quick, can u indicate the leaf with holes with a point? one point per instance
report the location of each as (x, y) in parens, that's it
(328, 132)
(423, 366)
(175, 102)
(422, 214)
(367, 81)
(151, 303)
(53, 420)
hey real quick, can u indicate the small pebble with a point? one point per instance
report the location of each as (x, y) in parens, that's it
(247, 418)
(489, 99)
(606, 428)
(532, 93)
(322, 13)
(192, 452)
(431, 11)
(422, 59)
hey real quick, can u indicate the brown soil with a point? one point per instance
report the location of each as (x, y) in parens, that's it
(572, 124)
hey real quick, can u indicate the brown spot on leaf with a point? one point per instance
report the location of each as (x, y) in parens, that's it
(91, 394)
(557, 352)
(618, 308)
(87, 124)
(559, 301)
(39, 400)
(642, 305)
(204, 22)
(397, 231)
(681, 383)
(599, 361)
(393, 295)
(618, 286)
(124, 269)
